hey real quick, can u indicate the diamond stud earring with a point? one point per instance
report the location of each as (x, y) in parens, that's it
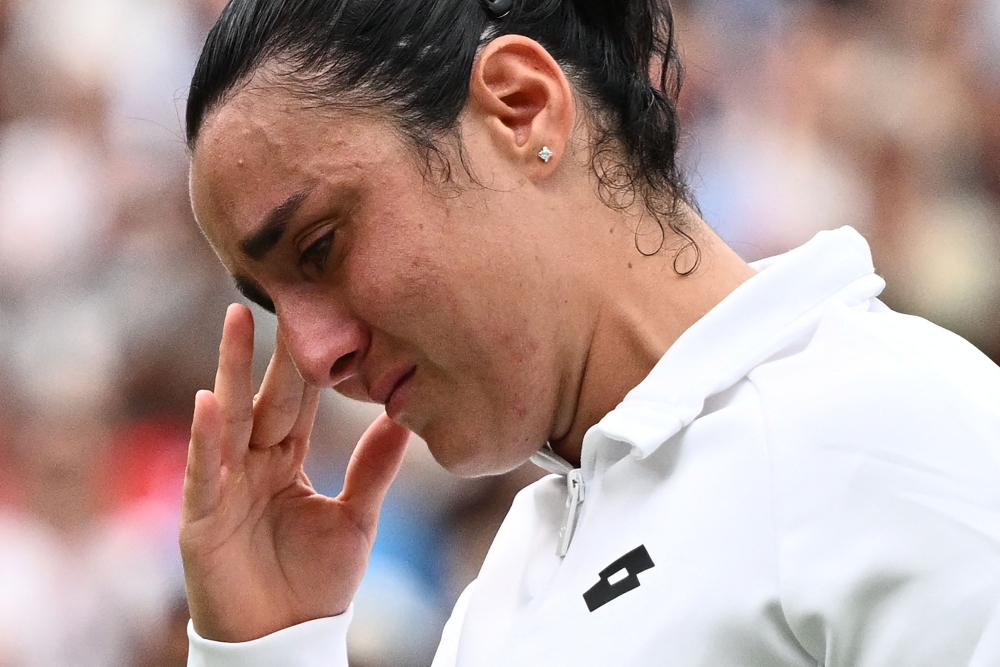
(545, 154)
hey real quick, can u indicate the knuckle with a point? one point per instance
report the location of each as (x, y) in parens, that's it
(272, 404)
(239, 418)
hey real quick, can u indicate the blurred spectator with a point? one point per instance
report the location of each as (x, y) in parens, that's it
(81, 584)
(883, 116)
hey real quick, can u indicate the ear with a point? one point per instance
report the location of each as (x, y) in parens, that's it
(524, 100)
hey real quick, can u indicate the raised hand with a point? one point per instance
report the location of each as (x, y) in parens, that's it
(262, 550)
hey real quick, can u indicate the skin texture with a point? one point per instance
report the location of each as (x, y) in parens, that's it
(495, 314)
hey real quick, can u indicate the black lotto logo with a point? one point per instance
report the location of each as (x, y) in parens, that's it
(604, 591)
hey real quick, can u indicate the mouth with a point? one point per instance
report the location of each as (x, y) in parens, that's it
(394, 392)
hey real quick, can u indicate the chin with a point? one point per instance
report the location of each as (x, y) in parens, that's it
(475, 456)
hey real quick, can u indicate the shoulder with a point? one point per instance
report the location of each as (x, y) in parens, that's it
(879, 404)
(876, 377)
(883, 435)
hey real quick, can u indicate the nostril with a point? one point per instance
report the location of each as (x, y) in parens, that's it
(342, 366)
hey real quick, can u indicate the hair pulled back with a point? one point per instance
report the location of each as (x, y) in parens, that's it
(413, 59)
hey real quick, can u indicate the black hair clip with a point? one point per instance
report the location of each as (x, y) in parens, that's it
(498, 8)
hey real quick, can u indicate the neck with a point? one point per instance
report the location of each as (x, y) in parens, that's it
(643, 307)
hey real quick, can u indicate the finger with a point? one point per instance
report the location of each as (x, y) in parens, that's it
(204, 464)
(234, 382)
(302, 429)
(278, 404)
(373, 466)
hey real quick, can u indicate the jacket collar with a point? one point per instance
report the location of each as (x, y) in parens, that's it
(762, 316)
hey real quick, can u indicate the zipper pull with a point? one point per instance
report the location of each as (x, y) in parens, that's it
(574, 484)
(549, 461)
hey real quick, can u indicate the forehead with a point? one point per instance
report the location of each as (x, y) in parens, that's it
(262, 146)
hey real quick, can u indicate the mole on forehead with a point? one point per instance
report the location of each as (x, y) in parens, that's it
(239, 146)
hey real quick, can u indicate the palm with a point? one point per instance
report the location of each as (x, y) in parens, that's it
(273, 549)
(263, 550)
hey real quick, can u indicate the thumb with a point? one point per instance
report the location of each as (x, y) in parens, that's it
(372, 469)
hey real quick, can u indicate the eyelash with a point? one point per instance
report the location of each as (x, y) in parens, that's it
(318, 252)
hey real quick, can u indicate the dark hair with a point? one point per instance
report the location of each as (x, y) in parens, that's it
(413, 58)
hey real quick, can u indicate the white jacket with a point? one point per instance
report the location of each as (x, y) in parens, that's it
(805, 478)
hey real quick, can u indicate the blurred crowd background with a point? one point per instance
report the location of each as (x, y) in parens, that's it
(800, 115)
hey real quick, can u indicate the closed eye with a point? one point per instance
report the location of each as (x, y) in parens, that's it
(252, 292)
(316, 255)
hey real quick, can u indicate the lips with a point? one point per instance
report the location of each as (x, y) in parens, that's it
(397, 398)
(387, 386)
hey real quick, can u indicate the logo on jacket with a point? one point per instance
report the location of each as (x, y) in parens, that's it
(624, 572)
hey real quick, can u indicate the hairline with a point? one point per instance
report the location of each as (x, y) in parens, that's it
(607, 154)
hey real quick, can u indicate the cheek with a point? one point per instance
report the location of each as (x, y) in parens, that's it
(445, 291)
(468, 309)
(485, 397)
(398, 287)
(404, 274)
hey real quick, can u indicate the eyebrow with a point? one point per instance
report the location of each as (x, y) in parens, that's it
(257, 245)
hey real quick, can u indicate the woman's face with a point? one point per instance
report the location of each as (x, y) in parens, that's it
(439, 301)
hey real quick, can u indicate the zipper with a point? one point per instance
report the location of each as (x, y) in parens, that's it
(548, 460)
(574, 484)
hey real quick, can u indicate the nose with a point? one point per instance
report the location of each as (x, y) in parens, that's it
(327, 346)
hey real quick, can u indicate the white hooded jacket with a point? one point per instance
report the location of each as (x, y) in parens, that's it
(805, 478)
